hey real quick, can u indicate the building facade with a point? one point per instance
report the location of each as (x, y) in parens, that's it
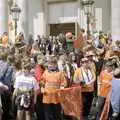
(46, 17)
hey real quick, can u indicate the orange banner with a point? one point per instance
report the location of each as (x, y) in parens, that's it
(79, 42)
(71, 101)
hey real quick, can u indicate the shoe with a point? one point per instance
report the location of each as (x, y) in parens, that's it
(115, 114)
(91, 117)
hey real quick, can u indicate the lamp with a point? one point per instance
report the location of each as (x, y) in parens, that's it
(15, 12)
(88, 7)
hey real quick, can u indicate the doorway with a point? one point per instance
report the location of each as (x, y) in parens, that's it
(56, 29)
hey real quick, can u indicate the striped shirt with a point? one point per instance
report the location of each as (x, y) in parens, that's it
(25, 82)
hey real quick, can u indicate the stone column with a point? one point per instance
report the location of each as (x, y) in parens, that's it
(37, 17)
(43, 17)
(23, 21)
(3, 16)
(115, 10)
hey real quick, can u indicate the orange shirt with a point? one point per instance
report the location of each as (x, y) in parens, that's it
(53, 81)
(105, 83)
(88, 87)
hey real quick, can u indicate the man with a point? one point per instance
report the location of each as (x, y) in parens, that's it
(85, 76)
(53, 80)
(6, 73)
(115, 96)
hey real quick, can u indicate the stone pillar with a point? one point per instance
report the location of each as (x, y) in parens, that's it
(115, 9)
(37, 17)
(23, 21)
(46, 31)
(42, 17)
(3, 16)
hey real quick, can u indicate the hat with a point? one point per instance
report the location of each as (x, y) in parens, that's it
(116, 47)
(110, 55)
(88, 47)
(100, 51)
(89, 53)
(109, 64)
(84, 59)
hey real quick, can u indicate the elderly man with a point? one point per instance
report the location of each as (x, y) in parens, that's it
(85, 76)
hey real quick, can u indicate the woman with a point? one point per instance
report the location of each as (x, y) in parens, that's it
(53, 80)
(85, 76)
(25, 92)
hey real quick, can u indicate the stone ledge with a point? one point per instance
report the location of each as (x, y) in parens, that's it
(59, 1)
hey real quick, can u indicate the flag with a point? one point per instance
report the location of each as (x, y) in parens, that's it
(106, 109)
(79, 42)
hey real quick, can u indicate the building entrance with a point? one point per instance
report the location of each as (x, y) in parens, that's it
(56, 29)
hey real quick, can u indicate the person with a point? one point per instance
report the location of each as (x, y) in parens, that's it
(17, 71)
(105, 86)
(6, 72)
(30, 40)
(115, 96)
(34, 50)
(25, 91)
(5, 39)
(85, 76)
(2, 88)
(39, 70)
(53, 80)
(1, 111)
(61, 62)
(89, 55)
(72, 59)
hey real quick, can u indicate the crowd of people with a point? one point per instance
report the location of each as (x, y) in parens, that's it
(33, 71)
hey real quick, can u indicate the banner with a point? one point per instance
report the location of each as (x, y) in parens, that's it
(105, 112)
(71, 101)
(79, 42)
